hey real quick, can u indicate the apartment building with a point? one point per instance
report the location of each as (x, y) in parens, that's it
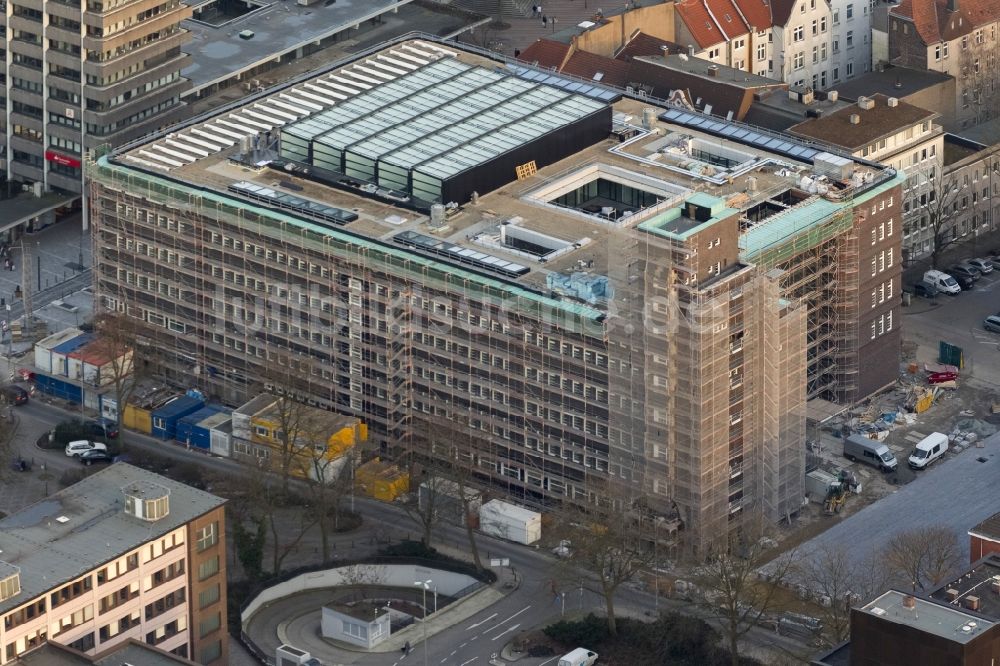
(123, 555)
(79, 75)
(586, 306)
(734, 33)
(970, 189)
(803, 41)
(958, 38)
(886, 130)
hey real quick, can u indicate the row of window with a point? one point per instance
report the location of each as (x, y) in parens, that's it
(882, 261)
(881, 325)
(881, 293)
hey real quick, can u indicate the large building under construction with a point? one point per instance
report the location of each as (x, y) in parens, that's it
(572, 290)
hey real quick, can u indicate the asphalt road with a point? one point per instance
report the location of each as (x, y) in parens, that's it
(471, 642)
(959, 320)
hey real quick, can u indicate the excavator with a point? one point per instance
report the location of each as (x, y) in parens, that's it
(836, 494)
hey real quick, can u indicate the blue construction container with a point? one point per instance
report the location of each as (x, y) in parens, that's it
(195, 429)
(166, 417)
(60, 388)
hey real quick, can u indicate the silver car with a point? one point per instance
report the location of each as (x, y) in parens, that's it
(984, 266)
(992, 323)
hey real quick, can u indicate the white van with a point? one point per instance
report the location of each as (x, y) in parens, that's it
(943, 282)
(578, 657)
(929, 449)
(73, 449)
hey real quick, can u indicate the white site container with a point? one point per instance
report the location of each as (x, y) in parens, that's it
(511, 522)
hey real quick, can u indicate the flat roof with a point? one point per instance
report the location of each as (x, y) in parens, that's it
(711, 71)
(130, 652)
(51, 551)
(928, 616)
(278, 28)
(198, 159)
(891, 81)
(837, 129)
(988, 529)
(18, 210)
(978, 581)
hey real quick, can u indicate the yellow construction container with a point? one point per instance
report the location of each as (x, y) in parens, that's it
(924, 403)
(382, 481)
(138, 419)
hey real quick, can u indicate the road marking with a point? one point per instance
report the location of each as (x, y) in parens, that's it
(474, 637)
(444, 660)
(507, 631)
(472, 660)
(507, 620)
(547, 661)
(473, 626)
(463, 645)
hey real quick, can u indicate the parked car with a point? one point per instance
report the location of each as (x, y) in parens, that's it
(578, 657)
(984, 266)
(966, 270)
(14, 395)
(992, 323)
(88, 458)
(995, 260)
(925, 290)
(74, 449)
(103, 427)
(966, 283)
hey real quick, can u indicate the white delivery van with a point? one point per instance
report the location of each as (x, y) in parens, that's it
(578, 657)
(929, 449)
(943, 282)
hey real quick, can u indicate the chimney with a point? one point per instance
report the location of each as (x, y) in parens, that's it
(690, 50)
(855, 119)
(892, 101)
(952, 6)
(951, 594)
(713, 70)
(910, 602)
(866, 103)
(972, 603)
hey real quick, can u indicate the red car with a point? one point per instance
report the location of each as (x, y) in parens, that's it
(941, 377)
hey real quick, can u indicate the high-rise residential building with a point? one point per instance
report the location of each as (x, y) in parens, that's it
(82, 73)
(577, 293)
(124, 554)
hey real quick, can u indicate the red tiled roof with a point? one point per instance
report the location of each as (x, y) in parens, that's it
(934, 23)
(546, 52)
(642, 44)
(727, 16)
(756, 12)
(587, 65)
(699, 23)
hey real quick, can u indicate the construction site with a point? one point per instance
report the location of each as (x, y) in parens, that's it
(584, 297)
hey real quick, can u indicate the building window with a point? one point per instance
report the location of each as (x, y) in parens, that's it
(798, 34)
(850, 12)
(850, 69)
(210, 595)
(207, 536)
(208, 568)
(800, 60)
(211, 652)
(761, 51)
(850, 38)
(822, 24)
(209, 624)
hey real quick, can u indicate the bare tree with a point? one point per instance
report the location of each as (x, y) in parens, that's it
(939, 210)
(8, 423)
(924, 556)
(734, 590)
(840, 582)
(426, 510)
(333, 480)
(609, 544)
(118, 337)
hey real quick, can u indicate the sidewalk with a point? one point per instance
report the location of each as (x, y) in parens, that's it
(524, 31)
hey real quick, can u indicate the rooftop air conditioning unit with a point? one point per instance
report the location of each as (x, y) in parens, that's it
(892, 101)
(866, 103)
(855, 119)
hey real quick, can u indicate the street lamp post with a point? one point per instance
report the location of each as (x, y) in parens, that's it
(424, 586)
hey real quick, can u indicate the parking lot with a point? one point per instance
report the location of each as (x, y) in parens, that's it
(959, 320)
